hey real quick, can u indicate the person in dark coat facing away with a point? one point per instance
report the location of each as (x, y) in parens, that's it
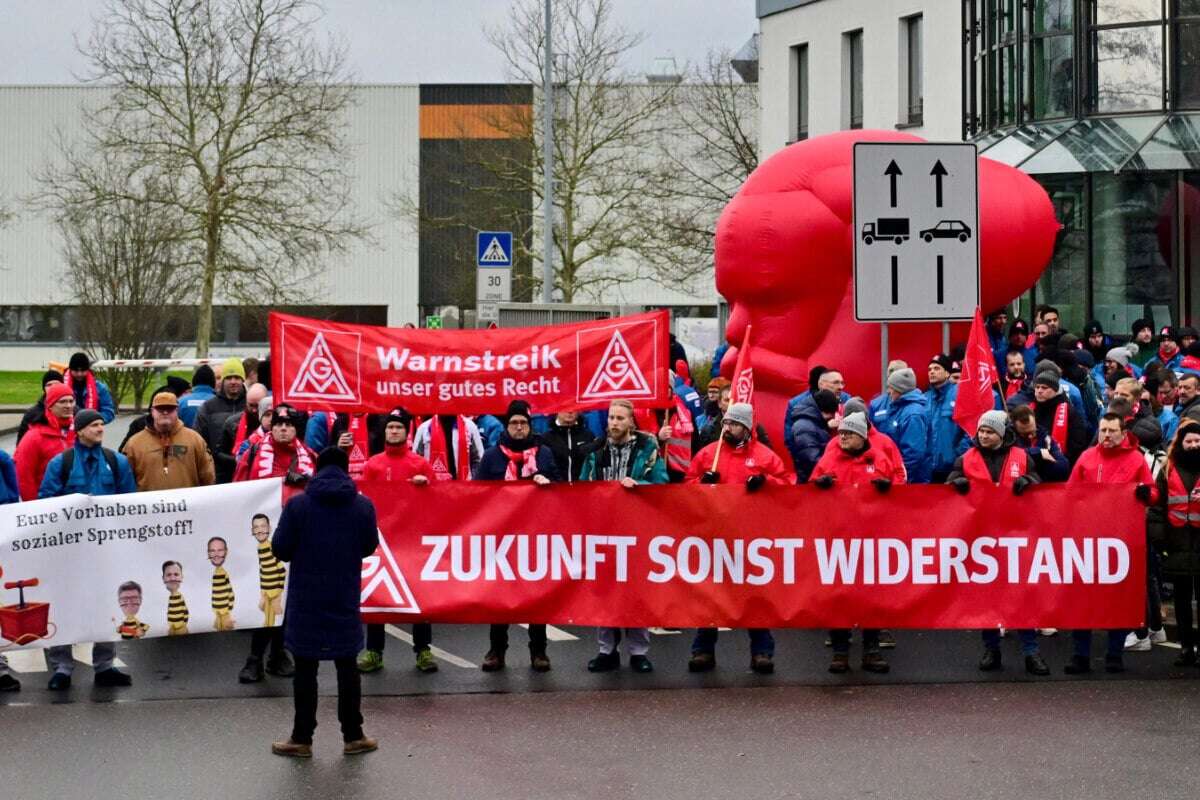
(325, 533)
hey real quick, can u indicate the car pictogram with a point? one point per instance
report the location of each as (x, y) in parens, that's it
(947, 229)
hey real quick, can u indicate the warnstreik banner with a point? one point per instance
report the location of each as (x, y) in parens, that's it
(683, 556)
(318, 364)
(133, 566)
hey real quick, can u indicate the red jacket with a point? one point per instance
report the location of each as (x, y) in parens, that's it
(880, 443)
(396, 463)
(1121, 464)
(857, 470)
(40, 443)
(279, 465)
(736, 464)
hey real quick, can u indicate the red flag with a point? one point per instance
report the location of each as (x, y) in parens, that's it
(978, 375)
(742, 390)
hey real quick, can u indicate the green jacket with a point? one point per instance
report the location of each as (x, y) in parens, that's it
(646, 465)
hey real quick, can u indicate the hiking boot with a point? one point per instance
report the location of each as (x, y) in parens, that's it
(539, 662)
(840, 663)
(1036, 665)
(359, 746)
(369, 661)
(280, 665)
(1187, 658)
(112, 677)
(425, 662)
(606, 662)
(1078, 665)
(493, 661)
(1114, 664)
(762, 664)
(640, 664)
(991, 661)
(874, 661)
(59, 682)
(9, 684)
(702, 662)
(291, 749)
(252, 672)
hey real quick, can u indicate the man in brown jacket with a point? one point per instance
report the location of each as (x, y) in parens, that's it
(167, 454)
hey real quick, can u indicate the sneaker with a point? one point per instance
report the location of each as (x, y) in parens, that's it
(640, 664)
(280, 665)
(59, 682)
(605, 662)
(1114, 664)
(991, 661)
(1186, 658)
(1078, 665)
(1036, 665)
(9, 684)
(873, 661)
(370, 661)
(1135, 645)
(1047, 631)
(112, 677)
(840, 664)
(425, 662)
(359, 746)
(702, 662)
(886, 640)
(1159, 636)
(493, 661)
(539, 662)
(291, 749)
(762, 664)
(252, 672)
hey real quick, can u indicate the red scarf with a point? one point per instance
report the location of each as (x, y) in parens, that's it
(1013, 388)
(240, 436)
(439, 455)
(359, 451)
(91, 395)
(264, 459)
(523, 460)
(66, 429)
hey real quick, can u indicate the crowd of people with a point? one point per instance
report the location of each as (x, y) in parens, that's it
(1067, 409)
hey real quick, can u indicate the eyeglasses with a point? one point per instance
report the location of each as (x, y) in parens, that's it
(166, 409)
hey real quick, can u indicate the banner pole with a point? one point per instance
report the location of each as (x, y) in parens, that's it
(883, 352)
(946, 337)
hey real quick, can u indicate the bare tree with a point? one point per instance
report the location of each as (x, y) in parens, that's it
(240, 114)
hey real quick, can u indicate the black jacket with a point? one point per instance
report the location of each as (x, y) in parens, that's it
(570, 447)
(1077, 433)
(994, 460)
(212, 415)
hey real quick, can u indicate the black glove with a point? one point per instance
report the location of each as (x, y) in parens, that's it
(293, 478)
(1021, 484)
(755, 482)
(824, 482)
(710, 477)
(961, 485)
(882, 484)
(1142, 492)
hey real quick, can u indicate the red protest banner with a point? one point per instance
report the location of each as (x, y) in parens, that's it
(683, 556)
(319, 365)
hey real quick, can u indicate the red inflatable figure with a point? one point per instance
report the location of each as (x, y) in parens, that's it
(784, 261)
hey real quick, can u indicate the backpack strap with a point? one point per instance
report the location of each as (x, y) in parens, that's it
(110, 456)
(64, 466)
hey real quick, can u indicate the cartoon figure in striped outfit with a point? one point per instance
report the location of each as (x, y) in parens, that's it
(129, 598)
(177, 612)
(271, 573)
(222, 587)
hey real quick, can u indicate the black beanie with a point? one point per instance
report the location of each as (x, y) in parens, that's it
(826, 401)
(204, 376)
(86, 417)
(80, 361)
(51, 376)
(814, 375)
(397, 415)
(177, 386)
(517, 408)
(333, 457)
(944, 361)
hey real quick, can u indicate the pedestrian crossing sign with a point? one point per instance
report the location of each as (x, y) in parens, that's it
(493, 249)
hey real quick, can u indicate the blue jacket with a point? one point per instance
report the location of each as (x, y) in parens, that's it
(907, 423)
(809, 436)
(877, 409)
(9, 493)
(490, 429)
(1173, 364)
(107, 410)
(947, 441)
(189, 404)
(999, 345)
(718, 357)
(691, 399)
(793, 408)
(316, 432)
(325, 533)
(1169, 420)
(493, 464)
(90, 474)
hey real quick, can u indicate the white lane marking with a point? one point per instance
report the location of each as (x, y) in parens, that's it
(438, 652)
(666, 631)
(554, 634)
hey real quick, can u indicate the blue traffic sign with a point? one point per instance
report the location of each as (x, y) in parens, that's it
(493, 249)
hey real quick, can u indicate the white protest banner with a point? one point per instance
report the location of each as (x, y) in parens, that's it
(128, 566)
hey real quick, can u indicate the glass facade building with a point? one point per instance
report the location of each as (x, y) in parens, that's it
(1098, 100)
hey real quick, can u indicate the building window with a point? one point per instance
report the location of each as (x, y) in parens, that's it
(914, 71)
(1064, 284)
(1050, 59)
(800, 92)
(854, 78)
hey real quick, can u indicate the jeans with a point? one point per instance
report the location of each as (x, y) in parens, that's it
(761, 641)
(422, 633)
(1082, 641)
(61, 660)
(262, 638)
(498, 634)
(1027, 638)
(637, 640)
(1185, 592)
(840, 639)
(349, 698)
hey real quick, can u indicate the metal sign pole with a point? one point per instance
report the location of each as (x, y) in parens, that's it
(883, 350)
(946, 338)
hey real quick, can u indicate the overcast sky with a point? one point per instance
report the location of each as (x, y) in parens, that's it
(392, 41)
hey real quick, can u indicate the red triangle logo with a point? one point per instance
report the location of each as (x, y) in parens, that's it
(383, 586)
(618, 374)
(320, 376)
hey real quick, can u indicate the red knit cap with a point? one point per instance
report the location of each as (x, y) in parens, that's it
(56, 392)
